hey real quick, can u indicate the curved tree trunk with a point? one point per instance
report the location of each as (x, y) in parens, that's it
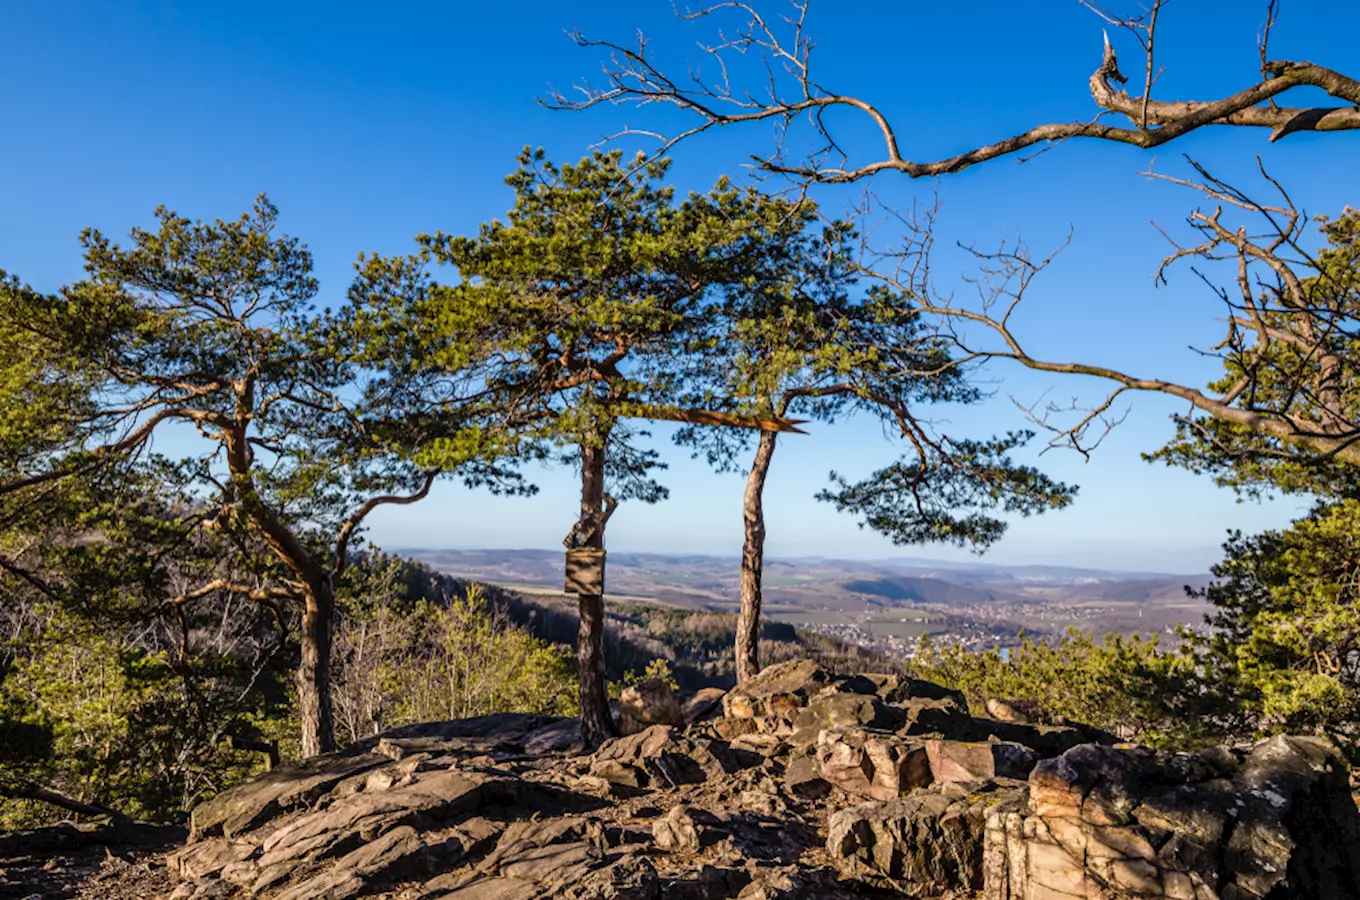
(314, 670)
(753, 560)
(596, 722)
(318, 586)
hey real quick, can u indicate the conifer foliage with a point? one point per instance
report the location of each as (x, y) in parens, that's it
(205, 334)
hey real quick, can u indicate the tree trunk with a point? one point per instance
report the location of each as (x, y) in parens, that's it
(314, 671)
(596, 722)
(753, 560)
(318, 609)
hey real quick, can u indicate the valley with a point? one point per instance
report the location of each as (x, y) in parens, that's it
(886, 605)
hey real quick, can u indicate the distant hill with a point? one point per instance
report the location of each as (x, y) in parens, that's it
(711, 582)
(884, 604)
(927, 590)
(973, 569)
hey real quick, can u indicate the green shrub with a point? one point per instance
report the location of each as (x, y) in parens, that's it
(1126, 685)
(118, 725)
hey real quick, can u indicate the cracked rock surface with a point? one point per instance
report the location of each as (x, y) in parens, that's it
(799, 784)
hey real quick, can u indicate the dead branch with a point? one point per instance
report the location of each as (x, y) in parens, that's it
(29, 790)
(1287, 339)
(789, 91)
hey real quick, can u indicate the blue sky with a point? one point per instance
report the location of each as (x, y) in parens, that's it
(368, 124)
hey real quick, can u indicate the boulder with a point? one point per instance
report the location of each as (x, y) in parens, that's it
(730, 729)
(868, 764)
(978, 761)
(1016, 711)
(791, 883)
(925, 844)
(1046, 740)
(706, 703)
(942, 717)
(631, 779)
(1277, 821)
(677, 831)
(660, 756)
(901, 689)
(779, 691)
(837, 710)
(803, 776)
(649, 702)
(562, 736)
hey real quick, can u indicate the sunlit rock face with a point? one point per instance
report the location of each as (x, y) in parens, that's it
(799, 784)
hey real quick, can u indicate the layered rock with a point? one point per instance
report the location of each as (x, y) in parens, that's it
(1273, 821)
(842, 710)
(925, 844)
(865, 764)
(779, 692)
(808, 786)
(978, 761)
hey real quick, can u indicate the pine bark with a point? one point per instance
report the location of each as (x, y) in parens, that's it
(596, 722)
(753, 560)
(314, 671)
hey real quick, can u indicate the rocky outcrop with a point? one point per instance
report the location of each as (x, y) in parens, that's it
(779, 692)
(705, 704)
(924, 844)
(978, 761)
(808, 785)
(677, 832)
(1275, 820)
(844, 710)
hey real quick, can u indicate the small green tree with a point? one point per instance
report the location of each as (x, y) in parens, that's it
(796, 342)
(44, 387)
(1283, 645)
(141, 699)
(1127, 685)
(209, 329)
(402, 660)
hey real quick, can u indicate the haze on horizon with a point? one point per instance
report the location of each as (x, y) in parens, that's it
(905, 560)
(366, 130)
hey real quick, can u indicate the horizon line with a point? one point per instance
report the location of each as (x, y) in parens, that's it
(921, 560)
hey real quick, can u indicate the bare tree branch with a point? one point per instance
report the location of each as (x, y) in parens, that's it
(1284, 329)
(633, 77)
(28, 790)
